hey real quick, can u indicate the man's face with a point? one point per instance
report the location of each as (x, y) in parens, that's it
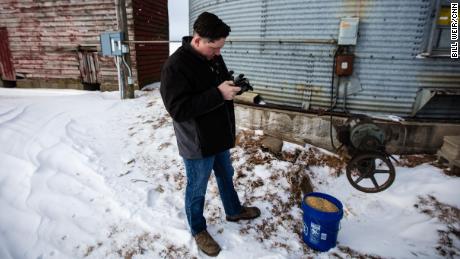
(207, 48)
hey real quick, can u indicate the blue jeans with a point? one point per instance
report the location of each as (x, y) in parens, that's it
(198, 172)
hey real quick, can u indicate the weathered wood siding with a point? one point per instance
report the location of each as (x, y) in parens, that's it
(46, 37)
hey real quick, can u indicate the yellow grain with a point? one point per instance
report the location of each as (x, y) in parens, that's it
(321, 204)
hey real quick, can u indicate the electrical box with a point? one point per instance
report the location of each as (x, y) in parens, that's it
(111, 43)
(348, 33)
(344, 64)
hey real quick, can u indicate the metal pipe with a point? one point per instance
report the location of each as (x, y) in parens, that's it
(257, 40)
(127, 66)
(120, 78)
(151, 41)
(286, 40)
(130, 74)
(433, 27)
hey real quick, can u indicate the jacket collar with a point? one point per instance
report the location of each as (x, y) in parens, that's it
(186, 44)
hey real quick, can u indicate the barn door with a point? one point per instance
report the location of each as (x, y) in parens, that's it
(89, 68)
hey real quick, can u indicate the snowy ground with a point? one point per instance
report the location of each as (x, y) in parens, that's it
(85, 175)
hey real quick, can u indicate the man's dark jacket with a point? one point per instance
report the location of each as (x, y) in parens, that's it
(203, 121)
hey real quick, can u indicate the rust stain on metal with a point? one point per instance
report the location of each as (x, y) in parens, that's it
(300, 87)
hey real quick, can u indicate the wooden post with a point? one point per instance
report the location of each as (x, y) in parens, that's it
(122, 20)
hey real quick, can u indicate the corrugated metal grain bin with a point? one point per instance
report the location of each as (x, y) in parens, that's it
(56, 43)
(286, 49)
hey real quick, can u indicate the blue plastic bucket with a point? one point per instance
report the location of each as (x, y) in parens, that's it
(320, 228)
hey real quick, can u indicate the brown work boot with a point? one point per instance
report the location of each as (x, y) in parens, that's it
(246, 213)
(207, 244)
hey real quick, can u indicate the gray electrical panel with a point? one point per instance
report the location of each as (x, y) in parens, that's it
(348, 34)
(111, 43)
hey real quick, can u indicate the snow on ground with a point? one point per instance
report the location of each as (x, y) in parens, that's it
(86, 175)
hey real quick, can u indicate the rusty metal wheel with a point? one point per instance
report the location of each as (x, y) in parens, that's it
(370, 172)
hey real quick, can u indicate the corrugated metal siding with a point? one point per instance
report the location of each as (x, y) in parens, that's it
(150, 23)
(391, 35)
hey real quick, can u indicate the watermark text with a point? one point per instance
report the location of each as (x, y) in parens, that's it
(454, 30)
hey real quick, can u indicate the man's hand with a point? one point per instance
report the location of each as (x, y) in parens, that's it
(228, 90)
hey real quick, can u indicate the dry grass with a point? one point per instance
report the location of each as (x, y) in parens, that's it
(161, 122)
(314, 157)
(416, 160)
(350, 253)
(280, 211)
(148, 242)
(164, 145)
(450, 216)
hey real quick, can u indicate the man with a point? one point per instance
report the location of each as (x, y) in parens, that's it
(199, 97)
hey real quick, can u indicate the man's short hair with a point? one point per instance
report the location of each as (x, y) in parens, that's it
(208, 25)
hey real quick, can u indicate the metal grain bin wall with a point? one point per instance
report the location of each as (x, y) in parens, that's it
(286, 49)
(56, 43)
